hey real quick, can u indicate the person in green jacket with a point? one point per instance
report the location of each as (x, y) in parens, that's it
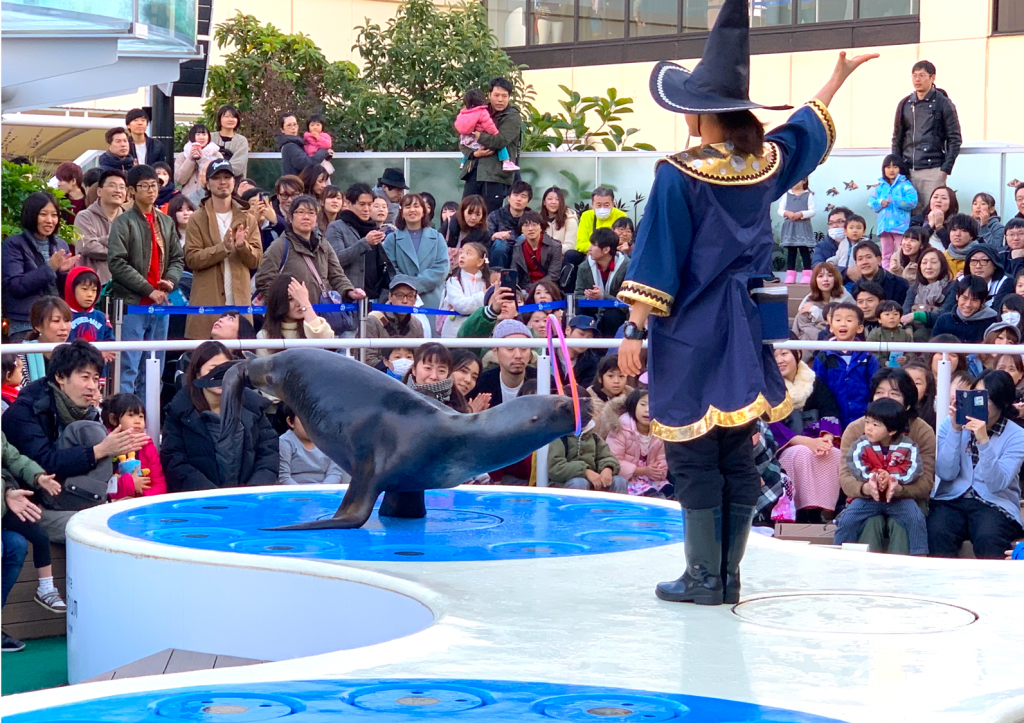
(145, 260)
(482, 171)
(480, 324)
(585, 462)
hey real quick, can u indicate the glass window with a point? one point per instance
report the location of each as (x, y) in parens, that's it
(507, 19)
(553, 22)
(1009, 16)
(887, 8)
(601, 19)
(653, 17)
(828, 11)
(764, 13)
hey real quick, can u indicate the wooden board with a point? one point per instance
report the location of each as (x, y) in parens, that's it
(173, 661)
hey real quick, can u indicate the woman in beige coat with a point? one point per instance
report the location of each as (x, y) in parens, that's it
(220, 263)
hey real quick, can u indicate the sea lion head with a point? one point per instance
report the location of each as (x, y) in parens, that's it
(523, 425)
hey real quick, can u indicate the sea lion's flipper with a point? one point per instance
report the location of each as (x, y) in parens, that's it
(408, 505)
(354, 511)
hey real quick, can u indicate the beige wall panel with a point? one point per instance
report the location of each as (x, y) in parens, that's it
(955, 19)
(1006, 103)
(961, 73)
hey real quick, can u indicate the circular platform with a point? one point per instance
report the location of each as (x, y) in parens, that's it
(460, 525)
(854, 613)
(397, 701)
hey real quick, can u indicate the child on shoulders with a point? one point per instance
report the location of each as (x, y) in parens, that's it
(301, 462)
(883, 459)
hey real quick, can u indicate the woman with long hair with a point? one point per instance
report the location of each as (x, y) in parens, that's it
(469, 226)
(560, 222)
(290, 314)
(233, 145)
(942, 206)
(332, 204)
(826, 288)
(904, 261)
(546, 291)
(194, 453)
(928, 295)
(419, 251)
(315, 179)
(924, 380)
(50, 317)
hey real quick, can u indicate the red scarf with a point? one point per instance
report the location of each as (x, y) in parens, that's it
(9, 393)
(153, 275)
(533, 261)
(606, 273)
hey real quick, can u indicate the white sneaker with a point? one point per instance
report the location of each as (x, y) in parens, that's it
(52, 601)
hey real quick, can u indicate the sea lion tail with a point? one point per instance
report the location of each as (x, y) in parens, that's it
(235, 381)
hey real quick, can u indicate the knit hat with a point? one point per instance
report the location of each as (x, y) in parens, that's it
(509, 327)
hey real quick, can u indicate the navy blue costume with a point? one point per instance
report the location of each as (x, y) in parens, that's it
(705, 233)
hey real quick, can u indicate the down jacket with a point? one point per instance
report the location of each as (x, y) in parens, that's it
(27, 276)
(189, 453)
(624, 441)
(570, 457)
(902, 198)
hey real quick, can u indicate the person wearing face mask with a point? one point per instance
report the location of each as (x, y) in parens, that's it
(192, 451)
(602, 214)
(388, 324)
(828, 247)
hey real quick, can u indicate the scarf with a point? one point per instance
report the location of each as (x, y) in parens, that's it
(930, 296)
(984, 314)
(441, 391)
(68, 411)
(802, 386)
(963, 253)
(312, 244)
(358, 225)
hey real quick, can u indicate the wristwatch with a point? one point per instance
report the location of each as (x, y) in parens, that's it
(634, 332)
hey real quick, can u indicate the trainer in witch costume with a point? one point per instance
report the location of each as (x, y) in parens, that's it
(704, 243)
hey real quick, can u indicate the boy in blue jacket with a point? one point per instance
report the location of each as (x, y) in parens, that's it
(847, 374)
(81, 291)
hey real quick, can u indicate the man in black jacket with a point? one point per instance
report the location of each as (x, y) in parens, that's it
(868, 258)
(117, 157)
(505, 381)
(145, 149)
(927, 133)
(54, 422)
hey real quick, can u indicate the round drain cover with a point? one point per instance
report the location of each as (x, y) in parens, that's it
(226, 707)
(854, 613)
(536, 548)
(430, 699)
(633, 708)
(624, 538)
(283, 546)
(188, 536)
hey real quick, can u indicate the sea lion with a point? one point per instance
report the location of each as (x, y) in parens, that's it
(387, 436)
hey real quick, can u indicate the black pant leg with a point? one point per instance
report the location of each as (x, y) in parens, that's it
(694, 471)
(494, 196)
(472, 188)
(736, 462)
(947, 528)
(791, 258)
(35, 534)
(805, 258)
(991, 532)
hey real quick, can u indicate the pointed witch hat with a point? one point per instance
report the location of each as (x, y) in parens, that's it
(721, 81)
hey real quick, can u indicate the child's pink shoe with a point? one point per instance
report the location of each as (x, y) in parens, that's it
(509, 166)
(791, 277)
(805, 276)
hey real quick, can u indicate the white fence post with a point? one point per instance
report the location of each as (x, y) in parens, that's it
(943, 385)
(152, 400)
(543, 387)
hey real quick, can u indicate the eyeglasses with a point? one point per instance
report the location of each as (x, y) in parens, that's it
(398, 296)
(304, 211)
(980, 262)
(148, 187)
(837, 224)
(286, 194)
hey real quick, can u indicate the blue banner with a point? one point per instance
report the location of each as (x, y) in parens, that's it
(600, 303)
(396, 309)
(543, 306)
(156, 309)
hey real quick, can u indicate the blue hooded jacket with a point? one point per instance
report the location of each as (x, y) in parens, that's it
(902, 198)
(849, 383)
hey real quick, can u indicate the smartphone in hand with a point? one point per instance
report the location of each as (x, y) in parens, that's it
(971, 403)
(510, 279)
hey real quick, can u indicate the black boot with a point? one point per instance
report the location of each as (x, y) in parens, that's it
(733, 547)
(701, 583)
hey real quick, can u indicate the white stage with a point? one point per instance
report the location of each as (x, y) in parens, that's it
(851, 636)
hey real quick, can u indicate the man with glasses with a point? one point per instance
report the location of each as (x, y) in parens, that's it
(145, 261)
(984, 263)
(93, 222)
(828, 247)
(274, 212)
(1012, 255)
(391, 325)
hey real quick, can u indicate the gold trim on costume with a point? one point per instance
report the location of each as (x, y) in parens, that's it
(821, 110)
(716, 418)
(717, 163)
(631, 292)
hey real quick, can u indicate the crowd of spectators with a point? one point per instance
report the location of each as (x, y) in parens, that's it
(861, 446)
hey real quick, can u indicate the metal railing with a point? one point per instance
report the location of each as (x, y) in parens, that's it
(153, 380)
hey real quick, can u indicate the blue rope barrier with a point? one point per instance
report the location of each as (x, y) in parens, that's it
(396, 309)
(158, 310)
(600, 303)
(543, 306)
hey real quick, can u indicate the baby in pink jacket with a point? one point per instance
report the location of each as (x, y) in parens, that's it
(476, 117)
(316, 139)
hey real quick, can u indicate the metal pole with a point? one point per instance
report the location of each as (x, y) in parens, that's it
(570, 307)
(162, 128)
(152, 400)
(942, 395)
(364, 304)
(118, 320)
(543, 388)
